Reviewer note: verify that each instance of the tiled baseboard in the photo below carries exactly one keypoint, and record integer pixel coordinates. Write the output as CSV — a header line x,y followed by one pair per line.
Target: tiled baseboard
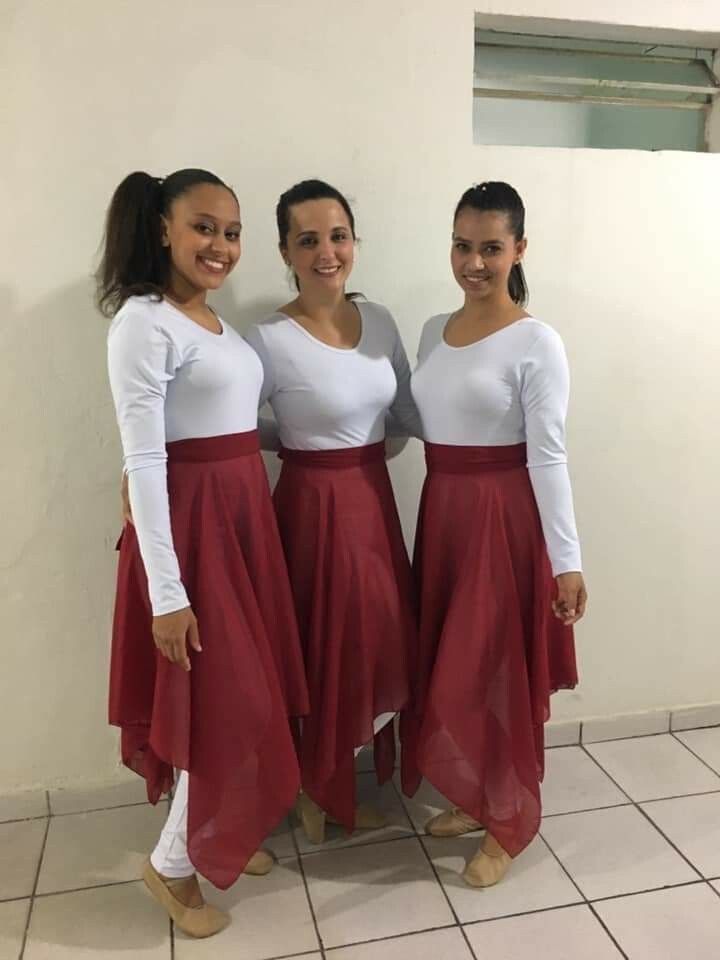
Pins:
x,y
593,729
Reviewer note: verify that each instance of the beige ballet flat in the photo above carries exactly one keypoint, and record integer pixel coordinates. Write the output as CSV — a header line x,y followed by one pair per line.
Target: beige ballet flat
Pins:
x,y
259,864
184,902
452,823
311,817
486,869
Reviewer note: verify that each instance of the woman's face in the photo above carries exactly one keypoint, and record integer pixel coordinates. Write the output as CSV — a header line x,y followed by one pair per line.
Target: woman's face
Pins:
x,y
484,251
202,232
320,246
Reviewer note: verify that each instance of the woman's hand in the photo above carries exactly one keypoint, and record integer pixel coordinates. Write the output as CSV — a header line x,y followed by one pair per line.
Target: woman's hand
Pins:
x,y
173,632
125,501
571,598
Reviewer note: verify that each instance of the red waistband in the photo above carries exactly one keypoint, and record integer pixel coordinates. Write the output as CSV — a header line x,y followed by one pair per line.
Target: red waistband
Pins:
x,y
205,449
448,458
337,458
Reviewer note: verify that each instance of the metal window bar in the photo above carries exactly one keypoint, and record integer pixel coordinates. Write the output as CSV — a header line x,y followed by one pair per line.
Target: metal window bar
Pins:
x,y
605,86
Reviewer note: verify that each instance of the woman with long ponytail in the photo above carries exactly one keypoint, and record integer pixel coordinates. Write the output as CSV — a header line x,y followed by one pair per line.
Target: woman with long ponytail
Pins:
x,y
206,664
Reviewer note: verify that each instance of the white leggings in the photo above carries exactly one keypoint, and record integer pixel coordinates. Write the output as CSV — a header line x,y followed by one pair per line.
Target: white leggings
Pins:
x,y
170,856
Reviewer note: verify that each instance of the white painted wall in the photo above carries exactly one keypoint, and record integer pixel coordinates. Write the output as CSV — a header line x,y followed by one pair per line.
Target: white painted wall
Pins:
x,y
377,98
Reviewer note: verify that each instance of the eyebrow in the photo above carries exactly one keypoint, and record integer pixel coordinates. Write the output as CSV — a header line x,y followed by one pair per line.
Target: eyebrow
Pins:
x,y
314,233
484,242
209,216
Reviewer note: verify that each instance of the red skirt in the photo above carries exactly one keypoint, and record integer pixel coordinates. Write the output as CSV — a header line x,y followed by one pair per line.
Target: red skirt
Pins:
x,y
490,651
351,580
226,721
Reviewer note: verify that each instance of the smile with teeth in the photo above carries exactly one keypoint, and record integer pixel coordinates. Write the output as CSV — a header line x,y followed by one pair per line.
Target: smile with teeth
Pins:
x,y
327,271
214,266
475,279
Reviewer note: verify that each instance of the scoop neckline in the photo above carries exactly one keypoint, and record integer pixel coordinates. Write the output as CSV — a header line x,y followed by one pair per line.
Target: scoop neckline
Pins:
x,y
321,343
188,319
488,336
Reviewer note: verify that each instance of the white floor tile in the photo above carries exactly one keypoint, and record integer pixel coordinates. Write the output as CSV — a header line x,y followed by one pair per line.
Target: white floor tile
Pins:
x,y
373,891
13,917
654,768
705,743
20,848
383,798
108,846
270,918
679,924
105,923
693,825
615,851
446,944
535,881
23,806
550,935
573,781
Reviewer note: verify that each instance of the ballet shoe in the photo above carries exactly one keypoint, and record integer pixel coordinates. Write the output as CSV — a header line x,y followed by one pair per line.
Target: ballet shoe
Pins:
x,y
486,869
452,823
183,901
259,864
311,817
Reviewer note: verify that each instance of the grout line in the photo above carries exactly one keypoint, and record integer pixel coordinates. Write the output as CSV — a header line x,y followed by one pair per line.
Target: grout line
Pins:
x,y
714,889
696,755
608,775
399,795
172,938
607,930
34,890
41,816
635,736
96,886
47,803
354,846
301,867
669,841
638,893
679,796
567,813
394,936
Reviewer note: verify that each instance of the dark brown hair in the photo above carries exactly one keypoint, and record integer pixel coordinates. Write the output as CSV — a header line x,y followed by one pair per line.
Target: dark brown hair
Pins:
x,y
501,198
134,261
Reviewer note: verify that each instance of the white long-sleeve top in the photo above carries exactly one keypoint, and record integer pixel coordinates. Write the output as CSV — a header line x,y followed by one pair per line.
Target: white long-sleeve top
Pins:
x,y
326,397
511,387
172,379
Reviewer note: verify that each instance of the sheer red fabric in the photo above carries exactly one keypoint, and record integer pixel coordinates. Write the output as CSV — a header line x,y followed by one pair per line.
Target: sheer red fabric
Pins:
x,y
351,580
226,721
490,650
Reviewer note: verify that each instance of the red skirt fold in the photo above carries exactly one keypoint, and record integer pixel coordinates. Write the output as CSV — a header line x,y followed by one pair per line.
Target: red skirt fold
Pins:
x,y
490,650
226,721
352,585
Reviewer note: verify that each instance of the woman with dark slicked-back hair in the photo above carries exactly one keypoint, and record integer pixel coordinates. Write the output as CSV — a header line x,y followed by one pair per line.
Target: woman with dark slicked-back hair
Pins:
x,y
335,370
206,665
497,557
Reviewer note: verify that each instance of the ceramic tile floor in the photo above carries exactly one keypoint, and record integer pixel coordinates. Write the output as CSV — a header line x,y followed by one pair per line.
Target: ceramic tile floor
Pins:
x,y
627,864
